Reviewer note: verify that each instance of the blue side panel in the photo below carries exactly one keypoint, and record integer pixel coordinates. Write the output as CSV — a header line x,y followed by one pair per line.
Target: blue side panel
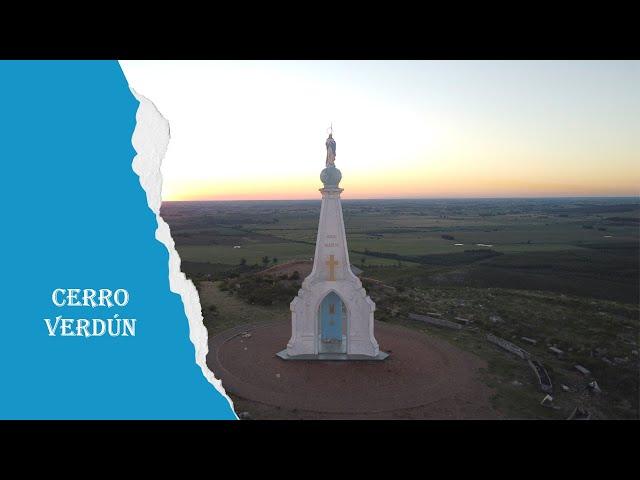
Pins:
x,y
75,216
331,318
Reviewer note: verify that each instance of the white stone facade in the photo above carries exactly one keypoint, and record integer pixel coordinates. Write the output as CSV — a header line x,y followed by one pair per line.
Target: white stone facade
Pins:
x,y
331,272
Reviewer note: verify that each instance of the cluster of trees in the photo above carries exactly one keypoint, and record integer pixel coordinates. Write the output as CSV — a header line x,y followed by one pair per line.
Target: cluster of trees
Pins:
x,y
265,261
263,290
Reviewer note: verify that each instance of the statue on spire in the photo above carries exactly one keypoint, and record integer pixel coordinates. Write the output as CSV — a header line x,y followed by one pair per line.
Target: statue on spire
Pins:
x,y
331,176
331,149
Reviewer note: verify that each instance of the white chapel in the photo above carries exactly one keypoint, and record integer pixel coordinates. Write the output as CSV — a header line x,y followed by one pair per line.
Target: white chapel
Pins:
x,y
332,315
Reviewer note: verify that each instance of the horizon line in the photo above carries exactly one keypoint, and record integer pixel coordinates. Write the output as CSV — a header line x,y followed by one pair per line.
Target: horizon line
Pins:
x,y
567,197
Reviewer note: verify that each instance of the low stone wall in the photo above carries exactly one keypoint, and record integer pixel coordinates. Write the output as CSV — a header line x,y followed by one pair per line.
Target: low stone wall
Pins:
x,y
543,377
510,347
435,321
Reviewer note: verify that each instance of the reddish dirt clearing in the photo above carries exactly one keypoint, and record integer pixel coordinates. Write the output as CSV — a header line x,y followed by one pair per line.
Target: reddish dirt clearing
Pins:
x,y
424,378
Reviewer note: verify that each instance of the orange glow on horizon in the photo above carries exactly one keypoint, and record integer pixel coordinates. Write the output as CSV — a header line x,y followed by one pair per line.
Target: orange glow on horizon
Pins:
x,y
463,176
418,186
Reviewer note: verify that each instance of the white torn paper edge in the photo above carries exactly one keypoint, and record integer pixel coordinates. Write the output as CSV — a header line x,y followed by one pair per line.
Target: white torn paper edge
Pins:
x,y
150,140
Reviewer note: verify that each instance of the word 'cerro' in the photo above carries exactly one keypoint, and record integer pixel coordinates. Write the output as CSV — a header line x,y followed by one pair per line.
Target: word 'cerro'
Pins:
x,y
88,297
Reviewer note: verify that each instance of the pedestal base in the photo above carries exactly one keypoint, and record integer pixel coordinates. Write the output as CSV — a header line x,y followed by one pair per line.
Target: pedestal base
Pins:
x,y
332,356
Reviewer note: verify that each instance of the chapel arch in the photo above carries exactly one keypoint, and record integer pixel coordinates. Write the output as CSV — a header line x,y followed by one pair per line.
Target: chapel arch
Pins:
x,y
332,324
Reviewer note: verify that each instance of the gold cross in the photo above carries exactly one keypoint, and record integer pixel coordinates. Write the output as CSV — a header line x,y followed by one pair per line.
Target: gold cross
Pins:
x,y
331,263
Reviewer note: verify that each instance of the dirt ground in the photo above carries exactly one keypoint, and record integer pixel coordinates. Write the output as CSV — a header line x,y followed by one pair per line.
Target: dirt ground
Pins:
x,y
424,378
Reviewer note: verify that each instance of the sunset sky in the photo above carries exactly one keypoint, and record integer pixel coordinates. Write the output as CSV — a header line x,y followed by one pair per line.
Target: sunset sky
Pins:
x,y
404,129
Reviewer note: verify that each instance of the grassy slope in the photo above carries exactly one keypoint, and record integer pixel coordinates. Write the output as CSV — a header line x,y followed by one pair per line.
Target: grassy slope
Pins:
x,y
574,325
232,311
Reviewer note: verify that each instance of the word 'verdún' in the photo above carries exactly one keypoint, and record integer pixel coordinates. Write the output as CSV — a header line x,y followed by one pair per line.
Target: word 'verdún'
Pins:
x,y
94,327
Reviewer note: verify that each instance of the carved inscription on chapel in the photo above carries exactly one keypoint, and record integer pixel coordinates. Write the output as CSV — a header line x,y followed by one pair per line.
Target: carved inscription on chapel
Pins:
x,y
331,241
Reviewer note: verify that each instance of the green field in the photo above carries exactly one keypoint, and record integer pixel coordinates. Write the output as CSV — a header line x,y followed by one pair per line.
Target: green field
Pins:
x,y
576,246
562,271
253,253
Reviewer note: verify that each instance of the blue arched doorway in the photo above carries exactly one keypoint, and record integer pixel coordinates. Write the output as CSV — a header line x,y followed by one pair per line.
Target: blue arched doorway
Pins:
x,y
332,315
